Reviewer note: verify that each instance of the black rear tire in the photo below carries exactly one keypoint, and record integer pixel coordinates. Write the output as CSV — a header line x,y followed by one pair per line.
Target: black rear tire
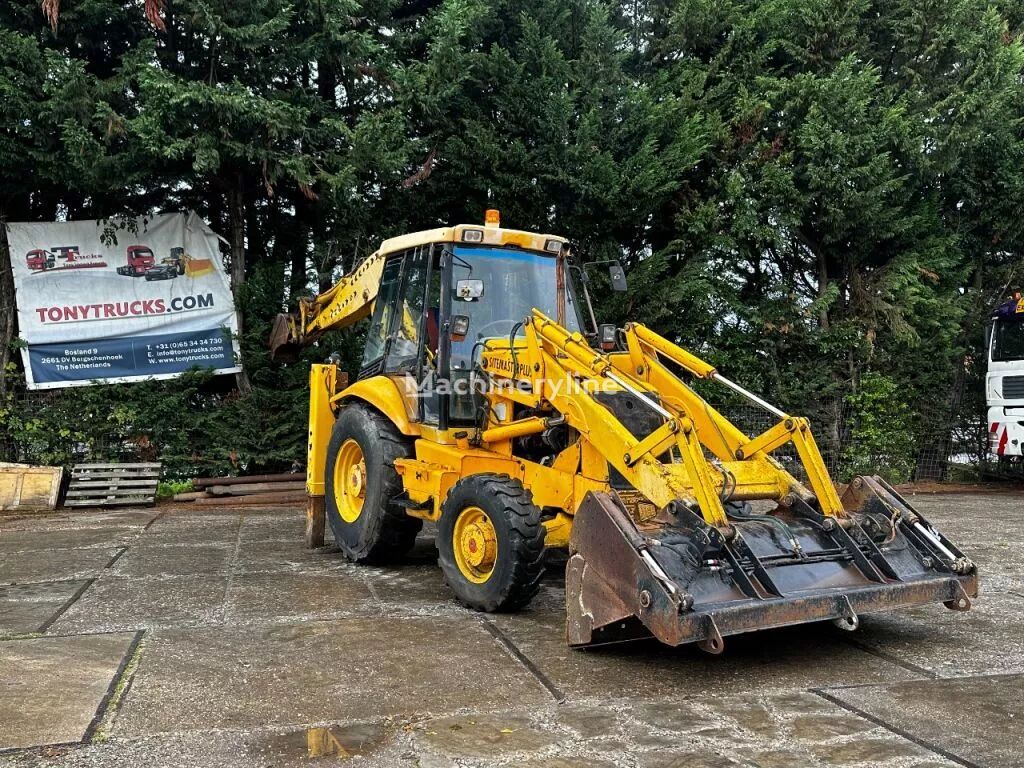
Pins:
x,y
518,564
382,532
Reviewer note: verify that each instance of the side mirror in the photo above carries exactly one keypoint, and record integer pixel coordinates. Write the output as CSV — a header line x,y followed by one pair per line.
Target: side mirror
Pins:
x,y
459,325
618,276
469,290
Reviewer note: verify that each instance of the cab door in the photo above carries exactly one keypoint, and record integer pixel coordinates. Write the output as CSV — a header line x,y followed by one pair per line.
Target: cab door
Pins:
x,y
401,341
378,334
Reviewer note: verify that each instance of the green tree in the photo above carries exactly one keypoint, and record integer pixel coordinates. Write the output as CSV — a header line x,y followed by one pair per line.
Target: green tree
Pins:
x,y
811,193
835,227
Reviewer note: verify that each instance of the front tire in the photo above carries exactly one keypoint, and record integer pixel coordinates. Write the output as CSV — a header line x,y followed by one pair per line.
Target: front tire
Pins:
x,y
361,484
490,543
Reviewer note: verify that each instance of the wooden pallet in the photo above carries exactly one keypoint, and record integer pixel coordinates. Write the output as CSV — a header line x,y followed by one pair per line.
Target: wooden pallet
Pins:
x,y
109,485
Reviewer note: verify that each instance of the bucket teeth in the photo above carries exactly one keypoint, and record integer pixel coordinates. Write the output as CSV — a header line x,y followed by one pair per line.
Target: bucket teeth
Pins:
x,y
679,580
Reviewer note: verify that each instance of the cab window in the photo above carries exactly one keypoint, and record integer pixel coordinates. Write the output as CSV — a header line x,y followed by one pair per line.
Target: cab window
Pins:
x,y
408,320
383,311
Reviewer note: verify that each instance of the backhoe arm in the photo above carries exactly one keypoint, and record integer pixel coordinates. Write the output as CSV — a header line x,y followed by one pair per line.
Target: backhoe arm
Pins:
x,y
344,304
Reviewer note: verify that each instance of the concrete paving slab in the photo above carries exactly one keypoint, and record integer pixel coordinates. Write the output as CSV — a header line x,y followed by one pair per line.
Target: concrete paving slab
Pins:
x,y
353,668
191,515
53,565
261,598
782,730
365,742
485,736
614,731
92,518
287,526
412,589
29,608
273,556
223,749
766,716
604,732
197,518
975,719
798,657
565,762
769,731
199,533
179,560
253,512
1000,564
983,640
386,743
868,751
689,759
53,686
114,604
971,517
30,540
139,517
411,678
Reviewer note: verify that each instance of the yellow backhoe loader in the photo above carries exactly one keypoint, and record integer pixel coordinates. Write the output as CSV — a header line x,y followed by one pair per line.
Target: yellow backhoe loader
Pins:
x,y
491,402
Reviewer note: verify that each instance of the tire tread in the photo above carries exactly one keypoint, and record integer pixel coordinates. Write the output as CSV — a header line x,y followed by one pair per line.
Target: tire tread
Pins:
x,y
397,531
527,542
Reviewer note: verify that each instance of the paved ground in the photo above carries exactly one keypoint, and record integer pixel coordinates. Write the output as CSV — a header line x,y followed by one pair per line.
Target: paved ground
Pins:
x,y
199,638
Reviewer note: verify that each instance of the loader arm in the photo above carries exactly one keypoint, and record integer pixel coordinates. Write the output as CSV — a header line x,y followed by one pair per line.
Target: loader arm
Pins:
x,y
703,564
570,375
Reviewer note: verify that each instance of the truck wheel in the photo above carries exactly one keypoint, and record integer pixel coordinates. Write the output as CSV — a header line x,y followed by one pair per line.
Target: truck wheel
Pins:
x,y
361,483
490,543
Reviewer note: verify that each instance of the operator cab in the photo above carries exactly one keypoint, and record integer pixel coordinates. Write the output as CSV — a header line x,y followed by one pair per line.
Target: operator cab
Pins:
x,y
446,294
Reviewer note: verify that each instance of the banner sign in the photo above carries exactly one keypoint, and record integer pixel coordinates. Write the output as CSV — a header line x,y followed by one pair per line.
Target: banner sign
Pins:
x,y
102,304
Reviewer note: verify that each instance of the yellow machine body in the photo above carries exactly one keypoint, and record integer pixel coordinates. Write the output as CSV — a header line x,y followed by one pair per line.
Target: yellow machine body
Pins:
x,y
654,495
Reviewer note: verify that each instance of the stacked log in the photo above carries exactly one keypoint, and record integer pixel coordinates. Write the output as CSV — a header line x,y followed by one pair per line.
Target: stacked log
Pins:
x,y
283,488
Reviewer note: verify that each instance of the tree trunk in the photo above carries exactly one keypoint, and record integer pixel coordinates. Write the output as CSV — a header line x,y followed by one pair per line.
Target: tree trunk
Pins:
x,y
297,233
327,81
236,222
7,308
822,287
299,279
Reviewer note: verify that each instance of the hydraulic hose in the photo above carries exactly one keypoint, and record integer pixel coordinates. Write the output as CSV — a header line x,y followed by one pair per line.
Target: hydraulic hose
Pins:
x,y
769,520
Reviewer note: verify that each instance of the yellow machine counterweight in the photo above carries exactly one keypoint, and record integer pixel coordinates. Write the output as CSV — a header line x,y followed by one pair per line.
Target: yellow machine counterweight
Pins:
x,y
517,433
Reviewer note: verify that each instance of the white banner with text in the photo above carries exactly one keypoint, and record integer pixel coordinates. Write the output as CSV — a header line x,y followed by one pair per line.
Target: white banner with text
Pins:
x,y
102,303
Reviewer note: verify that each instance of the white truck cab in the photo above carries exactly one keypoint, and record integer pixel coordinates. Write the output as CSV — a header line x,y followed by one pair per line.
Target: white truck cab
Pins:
x,y
1004,382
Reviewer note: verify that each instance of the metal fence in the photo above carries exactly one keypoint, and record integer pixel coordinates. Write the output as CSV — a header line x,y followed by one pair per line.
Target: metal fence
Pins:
x,y
951,448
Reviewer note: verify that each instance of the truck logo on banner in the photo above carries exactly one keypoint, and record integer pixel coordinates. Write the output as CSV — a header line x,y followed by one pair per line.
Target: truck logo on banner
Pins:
x,y
156,304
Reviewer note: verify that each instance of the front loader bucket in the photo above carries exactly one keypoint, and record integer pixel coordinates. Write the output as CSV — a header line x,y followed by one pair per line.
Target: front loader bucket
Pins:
x,y
680,580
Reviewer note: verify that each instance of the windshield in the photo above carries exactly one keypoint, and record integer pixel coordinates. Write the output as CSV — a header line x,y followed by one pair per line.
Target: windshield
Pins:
x,y
514,282
1007,340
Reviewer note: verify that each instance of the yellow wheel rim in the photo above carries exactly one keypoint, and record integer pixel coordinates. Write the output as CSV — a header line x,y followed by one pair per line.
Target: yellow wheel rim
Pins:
x,y
476,544
350,481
